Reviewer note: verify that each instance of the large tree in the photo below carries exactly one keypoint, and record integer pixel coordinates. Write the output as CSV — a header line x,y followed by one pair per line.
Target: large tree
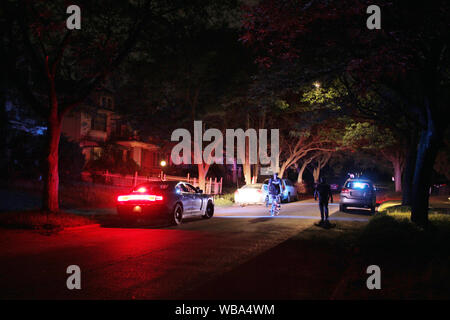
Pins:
x,y
56,69
406,63
377,140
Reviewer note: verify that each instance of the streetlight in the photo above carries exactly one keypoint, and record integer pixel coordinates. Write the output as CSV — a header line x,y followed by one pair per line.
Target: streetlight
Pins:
x,y
316,84
163,163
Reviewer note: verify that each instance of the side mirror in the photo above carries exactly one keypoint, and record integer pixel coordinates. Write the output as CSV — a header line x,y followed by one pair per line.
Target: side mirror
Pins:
x,y
199,190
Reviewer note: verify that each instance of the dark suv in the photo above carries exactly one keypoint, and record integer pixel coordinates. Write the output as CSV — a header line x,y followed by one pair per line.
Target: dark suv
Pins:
x,y
357,193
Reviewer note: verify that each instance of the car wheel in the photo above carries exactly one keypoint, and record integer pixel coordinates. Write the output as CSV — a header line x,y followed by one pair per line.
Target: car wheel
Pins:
x,y
177,214
342,208
267,201
209,212
372,209
289,197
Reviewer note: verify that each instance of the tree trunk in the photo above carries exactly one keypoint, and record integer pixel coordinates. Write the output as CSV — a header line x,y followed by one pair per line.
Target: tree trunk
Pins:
x,y
408,172
300,173
235,169
256,171
282,170
246,167
427,149
202,172
3,127
316,174
300,185
51,176
397,175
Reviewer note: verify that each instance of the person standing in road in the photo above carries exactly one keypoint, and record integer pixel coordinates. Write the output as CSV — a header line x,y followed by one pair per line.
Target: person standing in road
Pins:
x,y
323,192
275,189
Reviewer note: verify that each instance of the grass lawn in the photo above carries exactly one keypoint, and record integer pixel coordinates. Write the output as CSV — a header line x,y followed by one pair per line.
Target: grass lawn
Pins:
x,y
224,200
414,262
37,220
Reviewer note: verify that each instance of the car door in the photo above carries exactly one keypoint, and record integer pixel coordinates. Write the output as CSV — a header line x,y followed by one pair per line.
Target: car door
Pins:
x,y
197,198
186,197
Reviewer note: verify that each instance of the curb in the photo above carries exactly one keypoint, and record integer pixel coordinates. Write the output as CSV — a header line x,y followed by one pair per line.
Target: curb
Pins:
x,y
94,225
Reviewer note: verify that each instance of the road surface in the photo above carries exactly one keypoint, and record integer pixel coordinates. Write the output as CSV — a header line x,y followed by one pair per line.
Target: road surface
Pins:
x,y
146,262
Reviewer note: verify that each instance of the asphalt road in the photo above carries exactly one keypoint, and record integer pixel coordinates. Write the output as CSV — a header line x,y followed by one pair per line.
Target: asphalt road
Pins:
x,y
145,262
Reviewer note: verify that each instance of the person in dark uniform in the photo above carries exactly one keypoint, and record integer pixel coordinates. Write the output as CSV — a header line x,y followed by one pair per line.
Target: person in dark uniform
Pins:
x,y
323,192
275,188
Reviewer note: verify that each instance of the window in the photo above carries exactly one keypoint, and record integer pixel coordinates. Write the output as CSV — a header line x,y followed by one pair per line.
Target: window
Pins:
x,y
99,122
191,188
358,185
182,188
106,102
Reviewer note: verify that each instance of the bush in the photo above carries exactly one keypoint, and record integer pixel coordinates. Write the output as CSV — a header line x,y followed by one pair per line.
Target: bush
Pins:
x,y
25,157
111,160
28,152
224,200
71,159
88,195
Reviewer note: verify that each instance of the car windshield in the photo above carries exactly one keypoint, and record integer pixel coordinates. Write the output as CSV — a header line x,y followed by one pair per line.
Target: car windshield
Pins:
x,y
358,185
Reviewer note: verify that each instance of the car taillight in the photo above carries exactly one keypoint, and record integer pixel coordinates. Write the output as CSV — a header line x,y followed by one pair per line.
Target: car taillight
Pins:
x,y
259,191
147,197
345,190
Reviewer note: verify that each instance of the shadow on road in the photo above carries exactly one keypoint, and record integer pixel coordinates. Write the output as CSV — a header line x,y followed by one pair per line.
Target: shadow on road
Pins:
x,y
257,220
309,265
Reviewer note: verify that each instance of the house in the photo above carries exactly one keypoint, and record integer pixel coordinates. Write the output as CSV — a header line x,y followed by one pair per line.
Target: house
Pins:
x,y
95,125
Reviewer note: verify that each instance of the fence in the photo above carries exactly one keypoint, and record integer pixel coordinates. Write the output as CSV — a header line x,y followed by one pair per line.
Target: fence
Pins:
x,y
212,186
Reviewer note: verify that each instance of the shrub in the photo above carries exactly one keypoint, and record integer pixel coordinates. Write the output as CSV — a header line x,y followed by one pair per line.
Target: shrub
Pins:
x,y
71,159
224,200
111,160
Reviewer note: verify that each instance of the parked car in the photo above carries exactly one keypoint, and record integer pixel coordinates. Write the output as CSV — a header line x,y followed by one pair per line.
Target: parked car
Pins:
x,y
249,194
358,193
288,191
174,200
